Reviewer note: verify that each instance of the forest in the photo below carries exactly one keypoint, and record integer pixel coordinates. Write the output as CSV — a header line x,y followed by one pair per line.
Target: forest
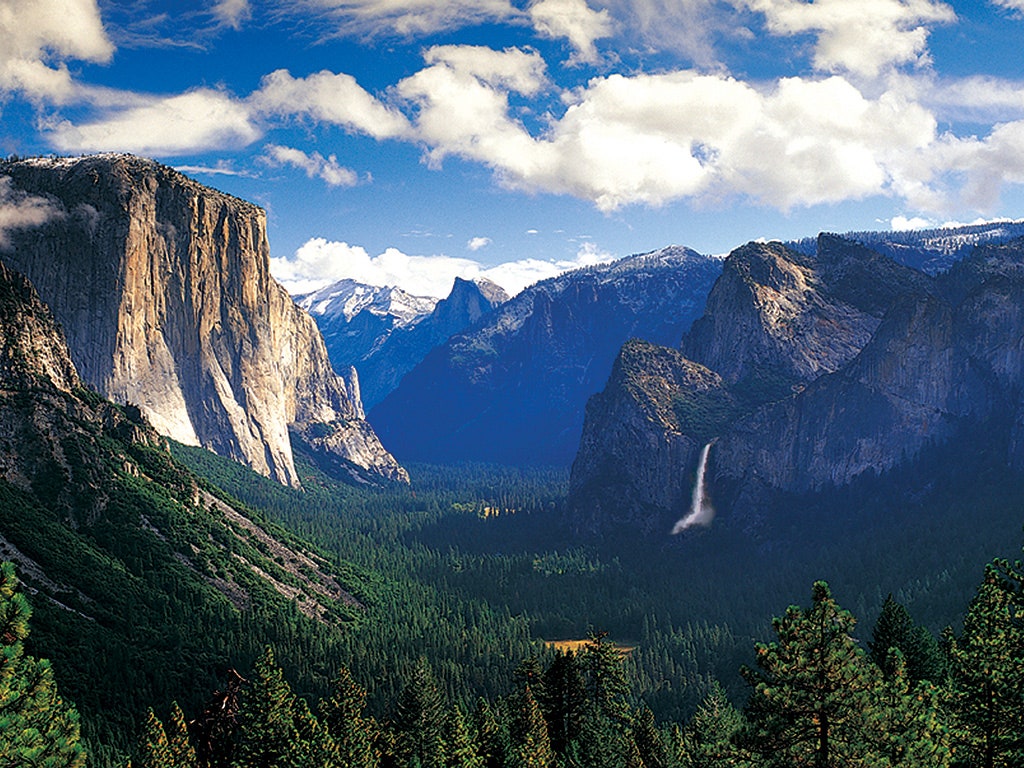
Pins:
x,y
817,697
473,585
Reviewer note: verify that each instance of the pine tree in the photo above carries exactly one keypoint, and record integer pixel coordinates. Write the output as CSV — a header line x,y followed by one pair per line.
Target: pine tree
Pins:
x,y
461,750
563,701
154,749
911,716
492,740
419,720
707,740
987,673
605,740
268,737
182,754
531,747
813,701
37,727
313,746
647,739
342,716
919,648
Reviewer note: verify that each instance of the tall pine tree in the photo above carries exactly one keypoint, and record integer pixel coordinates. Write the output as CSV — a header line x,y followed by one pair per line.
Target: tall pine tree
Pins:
x,y
987,673
37,727
813,699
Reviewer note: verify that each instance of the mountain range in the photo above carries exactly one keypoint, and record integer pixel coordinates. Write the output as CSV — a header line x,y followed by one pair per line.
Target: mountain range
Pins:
x,y
384,332
512,388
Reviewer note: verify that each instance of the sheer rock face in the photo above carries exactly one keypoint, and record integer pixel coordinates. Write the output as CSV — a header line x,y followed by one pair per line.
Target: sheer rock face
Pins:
x,y
875,362
44,407
164,290
641,442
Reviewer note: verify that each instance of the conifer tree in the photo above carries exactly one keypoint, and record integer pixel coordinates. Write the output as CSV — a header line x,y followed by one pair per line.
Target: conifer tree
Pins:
x,y
37,727
918,647
342,716
154,749
987,673
531,747
313,746
604,734
813,699
492,740
912,719
563,701
419,720
267,735
707,741
647,739
182,753
461,749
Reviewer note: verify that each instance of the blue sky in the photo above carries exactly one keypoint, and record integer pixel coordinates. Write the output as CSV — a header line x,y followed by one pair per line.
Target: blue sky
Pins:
x,y
407,141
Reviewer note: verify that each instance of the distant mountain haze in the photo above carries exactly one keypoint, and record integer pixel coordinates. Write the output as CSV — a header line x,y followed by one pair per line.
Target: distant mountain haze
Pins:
x,y
512,388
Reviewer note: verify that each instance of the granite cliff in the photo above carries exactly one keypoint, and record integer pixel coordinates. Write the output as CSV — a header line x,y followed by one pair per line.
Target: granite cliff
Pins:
x,y
164,291
840,365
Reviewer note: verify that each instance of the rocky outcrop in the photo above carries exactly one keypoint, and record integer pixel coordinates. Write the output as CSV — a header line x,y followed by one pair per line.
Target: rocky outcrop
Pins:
x,y
513,388
164,291
780,317
641,439
942,355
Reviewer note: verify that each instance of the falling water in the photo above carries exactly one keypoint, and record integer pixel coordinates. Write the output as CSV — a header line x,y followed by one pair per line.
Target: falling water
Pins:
x,y
701,511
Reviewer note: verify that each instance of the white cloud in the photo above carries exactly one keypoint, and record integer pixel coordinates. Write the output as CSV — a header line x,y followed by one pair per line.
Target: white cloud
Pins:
x,y
407,18
574,20
174,125
651,139
328,97
1010,5
231,13
315,165
462,106
38,36
980,99
19,210
476,243
905,224
864,37
320,262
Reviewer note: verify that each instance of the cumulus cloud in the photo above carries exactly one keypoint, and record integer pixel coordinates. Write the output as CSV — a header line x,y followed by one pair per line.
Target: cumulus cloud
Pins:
x,y
37,36
574,20
652,139
865,37
174,125
320,262
462,106
476,243
315,165
907,224
1010,5
331,98
19,210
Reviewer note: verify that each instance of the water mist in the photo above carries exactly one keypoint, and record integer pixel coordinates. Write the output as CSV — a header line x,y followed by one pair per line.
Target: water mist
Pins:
x,y
701,511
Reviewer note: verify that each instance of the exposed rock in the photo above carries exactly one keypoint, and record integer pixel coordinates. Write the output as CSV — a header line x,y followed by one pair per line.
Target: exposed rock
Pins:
x,y
164,291
513,388
641,439
941,354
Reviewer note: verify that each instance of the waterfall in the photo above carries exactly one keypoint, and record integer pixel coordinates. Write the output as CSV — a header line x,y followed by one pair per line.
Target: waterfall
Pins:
x,y
701,511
